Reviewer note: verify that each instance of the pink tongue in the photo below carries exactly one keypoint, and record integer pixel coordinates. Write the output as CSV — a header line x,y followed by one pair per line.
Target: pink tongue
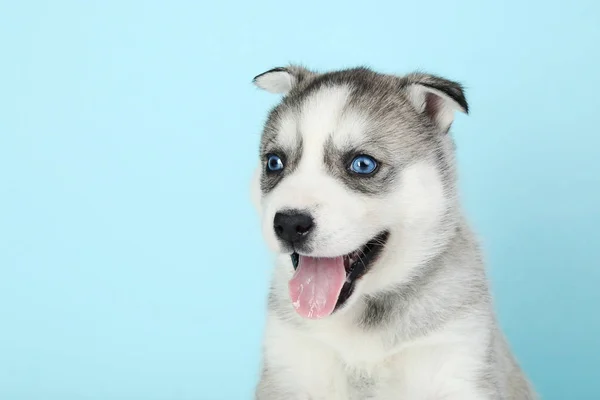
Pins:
x,y
316,285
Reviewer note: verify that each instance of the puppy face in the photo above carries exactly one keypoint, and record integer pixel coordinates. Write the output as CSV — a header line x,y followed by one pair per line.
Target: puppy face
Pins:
x,y
352,163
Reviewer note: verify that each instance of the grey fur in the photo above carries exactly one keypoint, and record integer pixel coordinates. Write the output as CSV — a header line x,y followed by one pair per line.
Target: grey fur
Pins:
x,y
450,284
338,162
289,156
383,99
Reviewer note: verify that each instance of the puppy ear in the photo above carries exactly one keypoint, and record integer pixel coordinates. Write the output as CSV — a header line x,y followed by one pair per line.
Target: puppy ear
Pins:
x,y
282,79
437,97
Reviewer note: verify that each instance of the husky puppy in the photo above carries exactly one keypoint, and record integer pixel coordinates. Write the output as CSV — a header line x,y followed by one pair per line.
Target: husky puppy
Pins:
x,y
379,289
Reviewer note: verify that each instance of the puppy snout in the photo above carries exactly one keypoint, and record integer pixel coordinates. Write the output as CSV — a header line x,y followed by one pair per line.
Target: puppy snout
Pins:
x,y
293,226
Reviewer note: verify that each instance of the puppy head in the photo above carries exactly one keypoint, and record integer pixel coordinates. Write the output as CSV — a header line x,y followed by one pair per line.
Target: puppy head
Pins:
x,y
353,166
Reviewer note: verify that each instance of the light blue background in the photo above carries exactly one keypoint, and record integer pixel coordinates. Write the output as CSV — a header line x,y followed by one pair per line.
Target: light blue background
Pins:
x,y
131,265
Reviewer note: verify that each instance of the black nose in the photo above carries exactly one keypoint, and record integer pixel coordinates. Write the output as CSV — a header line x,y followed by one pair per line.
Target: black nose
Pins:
x,y
293,226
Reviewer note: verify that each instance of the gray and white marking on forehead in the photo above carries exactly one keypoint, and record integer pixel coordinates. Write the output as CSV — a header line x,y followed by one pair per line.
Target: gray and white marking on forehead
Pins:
x,y
345,118
324,117
321,115
349,105
328,128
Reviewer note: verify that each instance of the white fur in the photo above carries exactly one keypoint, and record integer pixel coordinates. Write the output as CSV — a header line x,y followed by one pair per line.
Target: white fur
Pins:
x,y
314,362
336,210
434,368
438,367
431,368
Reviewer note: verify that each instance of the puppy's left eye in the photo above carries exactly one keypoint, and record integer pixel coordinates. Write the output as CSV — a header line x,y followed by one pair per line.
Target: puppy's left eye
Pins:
x,y
363,165
274,163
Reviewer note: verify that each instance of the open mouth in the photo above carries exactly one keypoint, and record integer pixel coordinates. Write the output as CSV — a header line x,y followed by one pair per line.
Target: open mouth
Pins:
x,y
322,285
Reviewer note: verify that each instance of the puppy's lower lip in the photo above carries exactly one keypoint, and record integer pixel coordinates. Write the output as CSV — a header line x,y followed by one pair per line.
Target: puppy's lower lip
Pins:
x,y
295,259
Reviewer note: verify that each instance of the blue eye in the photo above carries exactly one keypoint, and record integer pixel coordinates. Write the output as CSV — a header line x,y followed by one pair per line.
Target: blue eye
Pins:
x,y
363,165
274,163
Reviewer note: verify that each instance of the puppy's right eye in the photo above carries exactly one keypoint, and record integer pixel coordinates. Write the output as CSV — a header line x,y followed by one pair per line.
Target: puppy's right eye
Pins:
x,y
274,163
363,165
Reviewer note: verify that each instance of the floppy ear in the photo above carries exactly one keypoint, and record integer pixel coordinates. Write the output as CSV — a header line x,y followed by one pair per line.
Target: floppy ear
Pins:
x,y
437,97
282,79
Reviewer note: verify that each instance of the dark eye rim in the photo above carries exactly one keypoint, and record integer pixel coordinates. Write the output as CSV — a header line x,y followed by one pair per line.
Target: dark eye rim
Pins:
x,y
354,156
266,161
